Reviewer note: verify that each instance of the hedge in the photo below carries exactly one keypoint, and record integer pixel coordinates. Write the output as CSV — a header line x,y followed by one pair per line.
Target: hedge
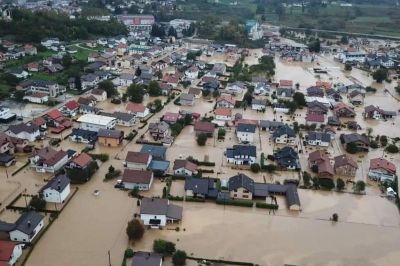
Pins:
x,y
209,171
195,199
177,198
102,156
241,203
201,163
267,206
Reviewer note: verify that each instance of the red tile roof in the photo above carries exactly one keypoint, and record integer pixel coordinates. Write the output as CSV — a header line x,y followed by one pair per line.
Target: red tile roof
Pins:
x,y
315,118
6,250
135,107
227,98
285,83
82,159
39,121
223,111
204,126
185,164
54,114
381,163
72,105
170,117
137,157
247,121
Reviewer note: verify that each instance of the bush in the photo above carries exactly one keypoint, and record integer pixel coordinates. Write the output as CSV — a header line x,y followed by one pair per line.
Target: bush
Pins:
x,y
54,142
163,247
373,144
201,139
270,168
37,203
351,148
359,186
392,149
113,174
200,163
103,157
135,229
176,198
306,179
221,133
383,140
240,203
267,206
179,258
255,167
335,217
326,183
129,253
340,184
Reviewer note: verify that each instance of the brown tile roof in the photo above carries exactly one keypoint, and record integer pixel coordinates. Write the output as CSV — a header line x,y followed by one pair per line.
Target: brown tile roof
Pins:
x,y
381,163
137,176
223,111
185,164
204,126
137,157
82,159
343,160
226,98
135,107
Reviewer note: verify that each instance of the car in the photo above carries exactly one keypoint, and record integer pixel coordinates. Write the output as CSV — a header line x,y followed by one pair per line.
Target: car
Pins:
x,y
120,186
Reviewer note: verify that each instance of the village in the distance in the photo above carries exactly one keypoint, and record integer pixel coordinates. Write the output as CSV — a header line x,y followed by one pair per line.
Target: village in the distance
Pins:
x,y
155,146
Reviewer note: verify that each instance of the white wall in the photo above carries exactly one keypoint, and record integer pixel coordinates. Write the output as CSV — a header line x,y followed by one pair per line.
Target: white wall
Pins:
x,y
245,136
146,219
53,196
19,236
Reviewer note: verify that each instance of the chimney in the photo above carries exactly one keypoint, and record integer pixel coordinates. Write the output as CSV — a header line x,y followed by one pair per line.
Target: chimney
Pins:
x,y
29,223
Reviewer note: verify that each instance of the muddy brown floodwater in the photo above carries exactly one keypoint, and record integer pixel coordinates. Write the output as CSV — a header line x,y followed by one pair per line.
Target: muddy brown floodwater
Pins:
x,y
367,232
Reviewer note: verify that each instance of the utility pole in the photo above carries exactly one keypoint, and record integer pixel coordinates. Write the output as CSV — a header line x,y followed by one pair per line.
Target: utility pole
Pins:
x,y
109,258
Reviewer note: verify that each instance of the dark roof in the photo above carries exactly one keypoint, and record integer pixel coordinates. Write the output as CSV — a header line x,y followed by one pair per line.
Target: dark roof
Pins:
x,y
137,176
58,183
204,126
16,129
137,157
110,133
27,222
270,124
319,136
287,157
354,137
203,186
185,164
6,227
142,258
239,150
86,134
246,128
285,129
241,181
157,165
158,206
5,158
154,150
316,104
126,117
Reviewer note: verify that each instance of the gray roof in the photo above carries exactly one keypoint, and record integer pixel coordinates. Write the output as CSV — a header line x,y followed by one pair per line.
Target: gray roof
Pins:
x,y
203,186
259,102
246,128
16,129
187,97
283,130
86,134
27,222
241,181
353,137
287,157
110,133
6,227
142,258
154,150
238,150
58,183
319,136
270,124
156,206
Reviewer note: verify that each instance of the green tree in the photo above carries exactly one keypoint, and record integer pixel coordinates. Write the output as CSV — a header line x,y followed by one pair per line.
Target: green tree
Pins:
x,y
136,93
351,148
348,67
340,184
299,99
392,149
66,60
201,139
306,179
154,89
37,203
380,75
255,168
326,183
163,247
135,229
179,258
335,217
19,95
221,133
108,86
359,186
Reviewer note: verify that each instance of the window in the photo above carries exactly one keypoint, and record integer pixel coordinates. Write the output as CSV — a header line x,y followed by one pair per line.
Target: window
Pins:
x,y
245,191
235,190
245,196
235,195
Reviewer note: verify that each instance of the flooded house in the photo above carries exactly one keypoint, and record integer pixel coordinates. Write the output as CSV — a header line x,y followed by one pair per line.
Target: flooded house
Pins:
x,y
245,133
110,137
345,166
24,131
140,179
157,213
186,99
343,110
157,152
359,141
373,112
267,125
318,139
381,170
56,190
48,160
241,155
320,159
185,168
287,158
137,160
95,123
143,258
10,252
204,127
201,187
316,107
284,135
138,109
159,130
83,136
225,101
25,229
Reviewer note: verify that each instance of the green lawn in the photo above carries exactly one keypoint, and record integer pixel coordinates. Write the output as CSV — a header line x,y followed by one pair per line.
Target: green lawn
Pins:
x,y
4,91
28,59
45,76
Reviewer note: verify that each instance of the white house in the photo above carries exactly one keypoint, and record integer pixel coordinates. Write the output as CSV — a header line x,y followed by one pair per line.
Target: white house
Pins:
x,y
100,95
159,212
94,122
10,252
137,160
192,72
223,115
258,105
225,101
184,168
141,179
27,227
37,97
236,87
284,135
56,190
241,155
245,133
48,160
24,131
319,139
137,109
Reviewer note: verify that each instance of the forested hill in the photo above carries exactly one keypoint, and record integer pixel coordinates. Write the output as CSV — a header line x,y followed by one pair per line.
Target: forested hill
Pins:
x,y
33,27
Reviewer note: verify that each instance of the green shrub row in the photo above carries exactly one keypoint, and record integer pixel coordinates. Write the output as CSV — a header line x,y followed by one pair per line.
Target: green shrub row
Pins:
x,y
195,199
267,206
241,203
